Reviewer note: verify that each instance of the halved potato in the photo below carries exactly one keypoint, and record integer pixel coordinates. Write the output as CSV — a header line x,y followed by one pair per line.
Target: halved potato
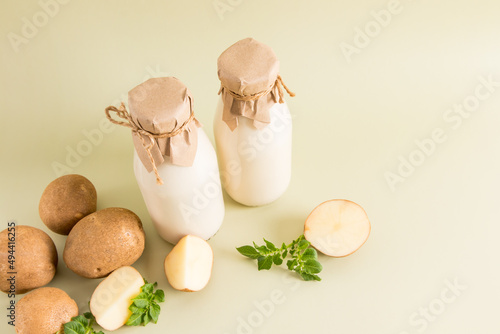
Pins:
x,y
113,296
188,266
337,227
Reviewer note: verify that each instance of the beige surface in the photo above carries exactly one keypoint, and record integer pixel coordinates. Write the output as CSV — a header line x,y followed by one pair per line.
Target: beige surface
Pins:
x,y
352,121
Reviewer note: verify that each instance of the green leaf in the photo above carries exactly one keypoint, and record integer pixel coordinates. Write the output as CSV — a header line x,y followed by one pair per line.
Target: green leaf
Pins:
x,y
291,264
159,296
144,307
303,260
310,277
134,320
142,300
81,320
81,324
264,262
73,327
145,319
303,244
263,250
270,245
154,312
89,316
248,251
312,266
135,309
309,253
277,260
147,288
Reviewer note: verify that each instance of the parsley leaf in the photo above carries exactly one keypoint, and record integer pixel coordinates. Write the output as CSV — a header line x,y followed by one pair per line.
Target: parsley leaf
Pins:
x,y
145,306
81,324
304,260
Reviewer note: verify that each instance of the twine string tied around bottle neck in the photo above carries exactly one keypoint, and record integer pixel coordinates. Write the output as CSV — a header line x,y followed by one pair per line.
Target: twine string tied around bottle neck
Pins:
x,y
122,113
279,83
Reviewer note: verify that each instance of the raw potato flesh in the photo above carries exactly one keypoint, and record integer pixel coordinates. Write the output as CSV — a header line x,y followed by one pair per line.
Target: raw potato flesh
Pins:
x,y
189,265
112,297
337,228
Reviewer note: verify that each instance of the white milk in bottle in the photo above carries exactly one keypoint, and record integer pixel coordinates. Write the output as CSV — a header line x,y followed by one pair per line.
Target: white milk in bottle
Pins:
x,y
174,162
252,125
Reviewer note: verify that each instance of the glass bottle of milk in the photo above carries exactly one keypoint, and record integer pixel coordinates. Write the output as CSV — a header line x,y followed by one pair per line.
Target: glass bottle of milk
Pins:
x,y
252,125
174,162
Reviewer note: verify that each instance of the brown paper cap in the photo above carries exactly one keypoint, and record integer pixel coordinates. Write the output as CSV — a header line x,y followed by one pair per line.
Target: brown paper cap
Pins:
x,y
246,68
161,106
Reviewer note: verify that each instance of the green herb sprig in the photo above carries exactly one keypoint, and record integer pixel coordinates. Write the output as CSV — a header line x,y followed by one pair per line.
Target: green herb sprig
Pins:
x,y
304,260
81,324
144,309
145,306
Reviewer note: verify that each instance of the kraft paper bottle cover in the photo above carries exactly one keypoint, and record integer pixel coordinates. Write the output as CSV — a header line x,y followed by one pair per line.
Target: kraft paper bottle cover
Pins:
x,y
250,82
162,122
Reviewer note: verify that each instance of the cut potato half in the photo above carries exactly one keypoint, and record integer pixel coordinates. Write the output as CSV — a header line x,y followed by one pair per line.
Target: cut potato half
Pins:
x,y
188,266
337,227
113,296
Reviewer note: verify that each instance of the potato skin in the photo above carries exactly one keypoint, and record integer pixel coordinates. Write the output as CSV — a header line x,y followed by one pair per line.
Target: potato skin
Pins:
x,y
104,241
65,201
35,259
44,311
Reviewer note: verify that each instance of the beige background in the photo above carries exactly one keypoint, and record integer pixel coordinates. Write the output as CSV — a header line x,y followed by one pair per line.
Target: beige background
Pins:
x,y
353,118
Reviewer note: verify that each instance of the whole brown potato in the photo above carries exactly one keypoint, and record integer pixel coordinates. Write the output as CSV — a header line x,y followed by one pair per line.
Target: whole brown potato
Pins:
x,y
44,311
104,241
65,201
34,259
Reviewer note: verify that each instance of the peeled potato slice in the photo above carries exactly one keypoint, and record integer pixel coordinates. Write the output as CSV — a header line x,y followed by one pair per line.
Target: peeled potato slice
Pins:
x,y
113,296
188,266
337,227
